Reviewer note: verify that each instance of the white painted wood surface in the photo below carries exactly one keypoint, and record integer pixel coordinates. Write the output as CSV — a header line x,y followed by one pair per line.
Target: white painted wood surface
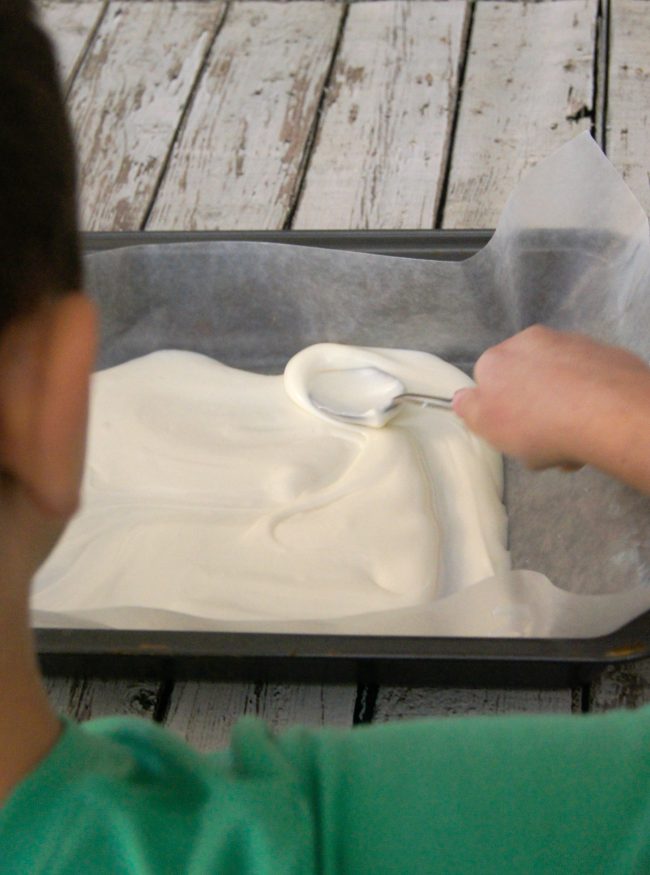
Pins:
x,y
126,103
204,713
628,147
381,148
628,120
400,703
550,51
353,210
238,160
627,686
88,697
528,81
71,23
237,164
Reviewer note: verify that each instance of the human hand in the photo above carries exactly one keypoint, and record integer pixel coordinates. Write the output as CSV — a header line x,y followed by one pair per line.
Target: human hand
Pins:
x,y
557,398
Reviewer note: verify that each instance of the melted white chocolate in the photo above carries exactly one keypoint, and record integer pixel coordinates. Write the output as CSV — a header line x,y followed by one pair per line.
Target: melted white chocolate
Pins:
x,y
224,494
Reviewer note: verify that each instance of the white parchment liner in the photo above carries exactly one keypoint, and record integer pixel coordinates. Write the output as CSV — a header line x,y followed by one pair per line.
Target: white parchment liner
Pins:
x,y
571,250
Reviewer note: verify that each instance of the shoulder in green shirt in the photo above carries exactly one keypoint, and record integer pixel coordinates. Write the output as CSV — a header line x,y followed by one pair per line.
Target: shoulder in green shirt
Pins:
x,y
483,795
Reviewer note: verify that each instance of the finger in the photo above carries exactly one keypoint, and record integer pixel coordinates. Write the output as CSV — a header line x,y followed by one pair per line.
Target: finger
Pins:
x,y
545,464
465,405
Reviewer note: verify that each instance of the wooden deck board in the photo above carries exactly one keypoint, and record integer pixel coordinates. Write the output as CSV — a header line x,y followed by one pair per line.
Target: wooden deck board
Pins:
x,y
381,147
204,713
399,703
72,24
127,99
626,686
528,89
81,699
628,117
627,136
238,161
237,164
503,127
126,102
498,125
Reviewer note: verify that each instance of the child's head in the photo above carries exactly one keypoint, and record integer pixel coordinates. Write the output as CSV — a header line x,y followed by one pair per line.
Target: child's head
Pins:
x,y
46,330
39,250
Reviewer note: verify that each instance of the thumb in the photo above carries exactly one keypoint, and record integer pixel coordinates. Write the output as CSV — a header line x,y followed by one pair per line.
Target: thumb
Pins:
x,y
465,404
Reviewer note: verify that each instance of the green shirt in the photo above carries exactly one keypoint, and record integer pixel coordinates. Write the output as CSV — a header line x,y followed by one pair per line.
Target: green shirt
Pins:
x,y
521,794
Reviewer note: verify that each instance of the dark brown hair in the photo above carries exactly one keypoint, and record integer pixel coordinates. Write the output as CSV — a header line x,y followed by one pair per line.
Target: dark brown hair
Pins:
x,y
39,248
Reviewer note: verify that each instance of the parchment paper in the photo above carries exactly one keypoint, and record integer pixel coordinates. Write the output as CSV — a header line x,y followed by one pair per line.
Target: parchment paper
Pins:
x,y
571,250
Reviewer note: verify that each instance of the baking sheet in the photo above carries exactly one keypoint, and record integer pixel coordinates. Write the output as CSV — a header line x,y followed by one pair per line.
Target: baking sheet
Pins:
x,y
570,250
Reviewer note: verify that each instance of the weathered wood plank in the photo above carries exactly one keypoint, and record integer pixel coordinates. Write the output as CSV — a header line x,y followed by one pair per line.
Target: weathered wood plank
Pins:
x,y
528,89
204,713
382,144
237,162
621,687
127,99
236,165
70,24
399,703
84,698
628,105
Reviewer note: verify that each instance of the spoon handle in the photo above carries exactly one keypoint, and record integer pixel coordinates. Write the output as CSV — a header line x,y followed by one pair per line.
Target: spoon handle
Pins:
x,y
426,400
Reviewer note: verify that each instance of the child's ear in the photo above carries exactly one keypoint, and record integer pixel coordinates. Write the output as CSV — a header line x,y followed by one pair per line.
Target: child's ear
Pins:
x,y
45,364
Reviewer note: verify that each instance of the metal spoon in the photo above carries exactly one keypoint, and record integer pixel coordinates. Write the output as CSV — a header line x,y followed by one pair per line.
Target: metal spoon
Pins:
x,y
386,395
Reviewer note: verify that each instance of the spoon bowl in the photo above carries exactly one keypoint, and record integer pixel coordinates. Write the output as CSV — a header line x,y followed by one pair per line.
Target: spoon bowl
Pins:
x,y
365,396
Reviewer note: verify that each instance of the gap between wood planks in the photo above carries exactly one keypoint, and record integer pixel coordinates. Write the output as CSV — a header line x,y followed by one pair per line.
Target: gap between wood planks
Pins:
x,y
444,182
601,74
